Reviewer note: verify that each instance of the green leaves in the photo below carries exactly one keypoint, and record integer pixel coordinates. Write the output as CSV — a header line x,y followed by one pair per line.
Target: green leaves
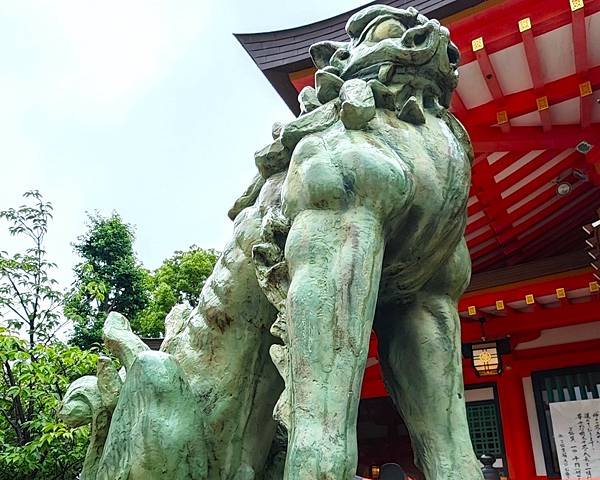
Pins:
x,y
109,278
35,370
179,279
29,298
33,444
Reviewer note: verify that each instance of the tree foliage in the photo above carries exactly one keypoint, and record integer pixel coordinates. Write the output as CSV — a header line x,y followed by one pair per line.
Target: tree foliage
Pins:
x,y
108,278
179,279
35,368
33,443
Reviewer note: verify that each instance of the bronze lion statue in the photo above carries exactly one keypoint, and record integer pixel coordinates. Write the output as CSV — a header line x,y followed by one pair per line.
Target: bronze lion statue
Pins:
x,y
354,222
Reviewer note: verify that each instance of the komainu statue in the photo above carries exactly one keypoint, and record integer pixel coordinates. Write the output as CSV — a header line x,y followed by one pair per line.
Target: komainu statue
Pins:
x,y
354,222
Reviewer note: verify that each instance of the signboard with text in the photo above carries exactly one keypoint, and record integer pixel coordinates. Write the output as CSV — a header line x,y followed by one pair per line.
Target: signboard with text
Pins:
x,y
576,427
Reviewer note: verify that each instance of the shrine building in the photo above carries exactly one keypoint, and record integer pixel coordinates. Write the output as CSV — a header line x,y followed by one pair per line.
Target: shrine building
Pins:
x,y
528,96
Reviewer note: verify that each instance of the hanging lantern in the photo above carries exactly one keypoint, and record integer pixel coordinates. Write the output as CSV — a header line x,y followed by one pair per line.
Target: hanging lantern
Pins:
x,y
486,359
486,354
374,471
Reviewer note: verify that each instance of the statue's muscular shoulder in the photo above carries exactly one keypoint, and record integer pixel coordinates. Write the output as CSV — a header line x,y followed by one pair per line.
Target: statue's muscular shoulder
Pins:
x,y
339,169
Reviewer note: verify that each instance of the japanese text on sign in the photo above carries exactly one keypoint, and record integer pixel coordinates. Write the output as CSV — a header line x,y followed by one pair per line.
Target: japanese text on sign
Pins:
x,y
576,427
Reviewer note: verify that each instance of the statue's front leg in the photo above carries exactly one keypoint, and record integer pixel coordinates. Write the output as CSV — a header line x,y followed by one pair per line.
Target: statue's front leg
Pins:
x,y
334,260
420,355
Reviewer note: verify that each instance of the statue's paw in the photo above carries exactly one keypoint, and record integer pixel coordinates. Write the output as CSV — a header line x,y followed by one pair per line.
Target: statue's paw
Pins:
x,y
176,320
109,382
91,400
157,429
120,339
245,472
81,401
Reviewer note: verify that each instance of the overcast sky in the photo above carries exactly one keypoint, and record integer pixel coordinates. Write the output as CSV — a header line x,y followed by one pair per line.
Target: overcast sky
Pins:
x,y
148,108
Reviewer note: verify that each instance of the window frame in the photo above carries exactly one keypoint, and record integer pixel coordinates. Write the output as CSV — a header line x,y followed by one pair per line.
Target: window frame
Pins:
x,y
496,401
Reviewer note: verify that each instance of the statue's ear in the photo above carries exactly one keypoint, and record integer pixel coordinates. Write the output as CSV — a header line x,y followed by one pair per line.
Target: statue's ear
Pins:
x,y
322,52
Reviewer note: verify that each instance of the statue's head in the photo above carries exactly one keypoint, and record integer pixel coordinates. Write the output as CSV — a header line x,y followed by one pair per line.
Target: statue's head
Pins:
x,y
398,58
396,47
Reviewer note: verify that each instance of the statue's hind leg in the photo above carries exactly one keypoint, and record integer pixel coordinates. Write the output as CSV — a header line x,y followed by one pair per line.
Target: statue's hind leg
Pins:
x,y
222,347
419,351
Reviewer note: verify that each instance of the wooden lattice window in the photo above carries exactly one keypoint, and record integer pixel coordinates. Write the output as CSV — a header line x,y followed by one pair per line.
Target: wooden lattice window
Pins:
x,y
564,385
484,428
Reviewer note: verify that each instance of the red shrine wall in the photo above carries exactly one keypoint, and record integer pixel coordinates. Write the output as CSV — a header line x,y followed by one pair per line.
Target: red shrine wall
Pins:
x,y
544,337
514,392
520,429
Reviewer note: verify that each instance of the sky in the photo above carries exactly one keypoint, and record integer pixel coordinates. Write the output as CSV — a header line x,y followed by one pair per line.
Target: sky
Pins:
x,y
148,108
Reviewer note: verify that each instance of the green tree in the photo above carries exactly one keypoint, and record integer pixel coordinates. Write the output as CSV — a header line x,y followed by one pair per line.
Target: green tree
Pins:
x,y
28,296
35,368
33,443
179,279
109,278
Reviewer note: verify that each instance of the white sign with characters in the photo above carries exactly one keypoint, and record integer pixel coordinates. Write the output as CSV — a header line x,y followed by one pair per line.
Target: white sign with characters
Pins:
x,y
576,427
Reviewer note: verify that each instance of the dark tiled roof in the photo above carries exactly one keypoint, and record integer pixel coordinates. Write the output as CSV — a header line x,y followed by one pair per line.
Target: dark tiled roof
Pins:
x,y
153,343
280,52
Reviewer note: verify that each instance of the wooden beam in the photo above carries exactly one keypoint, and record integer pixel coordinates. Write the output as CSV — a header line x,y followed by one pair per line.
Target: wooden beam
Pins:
x,y
571,314
473,208
492,261
497,23
592,165
566,242
535,71
541,199
572,212
542,179
580,51
525,139
562,202
559,232
530,167
523,102
538,287
487,249
494,207
489,75
476,225
506,161
458,107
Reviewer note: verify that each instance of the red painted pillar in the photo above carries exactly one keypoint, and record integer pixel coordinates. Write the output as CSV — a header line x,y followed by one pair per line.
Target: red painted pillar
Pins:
x,y
515,424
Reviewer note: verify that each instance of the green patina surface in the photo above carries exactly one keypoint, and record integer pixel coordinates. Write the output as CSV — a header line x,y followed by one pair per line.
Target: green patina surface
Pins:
x,y
355,221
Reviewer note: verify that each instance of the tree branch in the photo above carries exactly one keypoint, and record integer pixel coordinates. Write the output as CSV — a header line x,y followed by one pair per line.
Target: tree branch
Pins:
x,y
16,312
37,278
20,297
51,336
18,406
12,423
